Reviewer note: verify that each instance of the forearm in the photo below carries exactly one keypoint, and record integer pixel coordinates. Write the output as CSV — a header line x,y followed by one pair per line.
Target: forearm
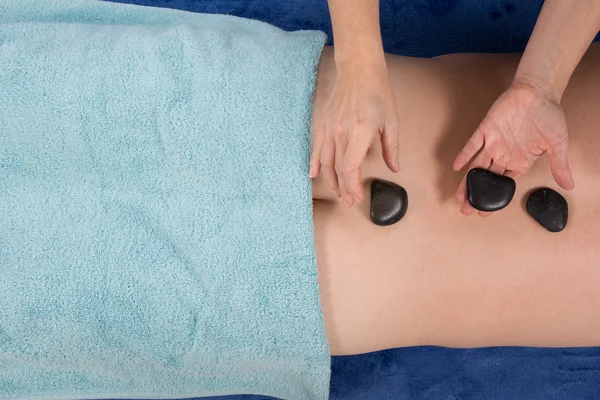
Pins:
x,y
356,31
562,34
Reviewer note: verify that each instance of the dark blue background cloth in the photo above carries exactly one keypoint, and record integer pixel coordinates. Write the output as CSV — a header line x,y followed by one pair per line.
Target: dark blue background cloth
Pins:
x,y
427,28
422,28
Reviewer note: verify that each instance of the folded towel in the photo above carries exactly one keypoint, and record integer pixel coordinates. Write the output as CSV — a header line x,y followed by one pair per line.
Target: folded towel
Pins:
x,y
156,234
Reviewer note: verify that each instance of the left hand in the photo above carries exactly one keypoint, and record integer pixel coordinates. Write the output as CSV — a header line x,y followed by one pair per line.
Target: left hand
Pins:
x,y
524,123
361,108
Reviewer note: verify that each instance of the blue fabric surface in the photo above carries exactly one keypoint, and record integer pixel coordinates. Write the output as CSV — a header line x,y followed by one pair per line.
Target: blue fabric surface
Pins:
x,y
423,28
146,246
427,28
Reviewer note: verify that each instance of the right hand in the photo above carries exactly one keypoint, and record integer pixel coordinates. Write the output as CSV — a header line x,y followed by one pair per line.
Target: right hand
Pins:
x,y
360,107
525,122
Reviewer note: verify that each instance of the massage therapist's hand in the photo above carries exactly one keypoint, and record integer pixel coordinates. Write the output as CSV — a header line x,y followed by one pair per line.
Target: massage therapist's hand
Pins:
x,y
527,120
361,109
524,123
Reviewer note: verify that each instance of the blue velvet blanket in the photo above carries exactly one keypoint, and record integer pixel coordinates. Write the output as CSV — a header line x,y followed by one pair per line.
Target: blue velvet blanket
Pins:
x,y
147,248
428,28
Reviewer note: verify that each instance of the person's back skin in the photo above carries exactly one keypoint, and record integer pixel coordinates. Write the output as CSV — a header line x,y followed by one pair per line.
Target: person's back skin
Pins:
x,y
437,277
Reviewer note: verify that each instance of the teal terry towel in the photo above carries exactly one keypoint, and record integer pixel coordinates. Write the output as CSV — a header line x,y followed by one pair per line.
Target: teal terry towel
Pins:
x,y
156,235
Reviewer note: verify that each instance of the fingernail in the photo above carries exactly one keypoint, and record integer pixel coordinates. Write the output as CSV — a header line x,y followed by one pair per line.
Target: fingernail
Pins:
x,y
357,200
346,203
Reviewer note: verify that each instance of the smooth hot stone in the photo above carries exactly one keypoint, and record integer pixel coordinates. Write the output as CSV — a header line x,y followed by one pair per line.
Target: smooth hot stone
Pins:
x,y
548,208
388,202
488,191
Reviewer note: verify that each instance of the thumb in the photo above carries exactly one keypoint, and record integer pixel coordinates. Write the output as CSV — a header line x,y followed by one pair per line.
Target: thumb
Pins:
x,y
559,165
469,150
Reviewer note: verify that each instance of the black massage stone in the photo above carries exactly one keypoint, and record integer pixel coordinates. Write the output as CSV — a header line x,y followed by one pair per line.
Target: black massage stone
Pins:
x,y
548,208
488,191
388,203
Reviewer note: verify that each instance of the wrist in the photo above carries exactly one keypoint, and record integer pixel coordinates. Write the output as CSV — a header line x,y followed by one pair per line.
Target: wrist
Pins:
x,y
538,86
360,55
361,64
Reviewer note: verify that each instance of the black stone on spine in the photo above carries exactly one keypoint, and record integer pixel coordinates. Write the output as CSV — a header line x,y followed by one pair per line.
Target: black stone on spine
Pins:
x,y
389,203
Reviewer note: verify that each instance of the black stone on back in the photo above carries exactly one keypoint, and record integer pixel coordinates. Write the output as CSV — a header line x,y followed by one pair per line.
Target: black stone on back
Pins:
x,y
488,191
388,202
549,208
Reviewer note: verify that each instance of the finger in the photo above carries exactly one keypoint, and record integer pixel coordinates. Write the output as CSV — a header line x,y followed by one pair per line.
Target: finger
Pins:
x,y
482,160
359,143
317,146
474,144
511,174
390,145
341,144
467,209
559,164
496,168
461,193
328,164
